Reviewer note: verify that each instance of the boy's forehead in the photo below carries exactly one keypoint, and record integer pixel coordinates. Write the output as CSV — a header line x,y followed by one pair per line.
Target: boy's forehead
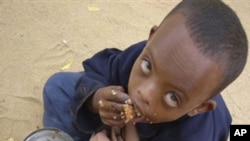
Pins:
x,y
171,32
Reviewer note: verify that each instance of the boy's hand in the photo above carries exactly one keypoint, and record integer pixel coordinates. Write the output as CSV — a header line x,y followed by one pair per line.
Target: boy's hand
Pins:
x,y
108,102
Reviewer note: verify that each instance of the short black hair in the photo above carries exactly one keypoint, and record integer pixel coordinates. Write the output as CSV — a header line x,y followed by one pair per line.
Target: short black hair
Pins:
x,y
217,31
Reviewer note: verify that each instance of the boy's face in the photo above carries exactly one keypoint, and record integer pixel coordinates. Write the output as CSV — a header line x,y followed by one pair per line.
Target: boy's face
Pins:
x,y
171,77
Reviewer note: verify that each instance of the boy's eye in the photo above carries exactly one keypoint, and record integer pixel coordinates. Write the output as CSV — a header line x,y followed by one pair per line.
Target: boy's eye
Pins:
x,y
145,66
171,99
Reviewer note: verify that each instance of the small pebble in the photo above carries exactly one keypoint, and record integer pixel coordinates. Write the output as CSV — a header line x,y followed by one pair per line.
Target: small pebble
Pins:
x,y
64,42
10,139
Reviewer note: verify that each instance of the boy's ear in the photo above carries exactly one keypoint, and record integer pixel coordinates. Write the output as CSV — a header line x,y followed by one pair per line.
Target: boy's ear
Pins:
x,y
152,31
204,107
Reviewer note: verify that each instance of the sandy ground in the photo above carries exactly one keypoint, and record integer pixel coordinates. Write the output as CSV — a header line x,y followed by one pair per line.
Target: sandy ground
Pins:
x,y
39,37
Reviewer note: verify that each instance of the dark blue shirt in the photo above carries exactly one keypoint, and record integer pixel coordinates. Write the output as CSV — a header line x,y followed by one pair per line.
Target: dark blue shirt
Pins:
x,y
113,67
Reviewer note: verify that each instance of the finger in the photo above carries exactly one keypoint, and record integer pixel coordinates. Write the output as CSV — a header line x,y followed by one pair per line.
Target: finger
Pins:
x,y
111,113
111,122
112,90
115,93
110,106
117,88
112,116
109,118
117,96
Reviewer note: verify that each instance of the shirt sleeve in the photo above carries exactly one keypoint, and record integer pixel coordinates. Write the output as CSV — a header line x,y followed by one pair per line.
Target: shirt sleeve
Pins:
x,y
108,67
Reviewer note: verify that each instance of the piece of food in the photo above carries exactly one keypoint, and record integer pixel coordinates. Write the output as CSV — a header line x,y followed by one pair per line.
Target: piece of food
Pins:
x,y
129,112
137,113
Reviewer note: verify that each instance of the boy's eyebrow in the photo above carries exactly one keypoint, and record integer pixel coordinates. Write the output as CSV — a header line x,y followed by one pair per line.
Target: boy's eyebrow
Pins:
x,y
181,91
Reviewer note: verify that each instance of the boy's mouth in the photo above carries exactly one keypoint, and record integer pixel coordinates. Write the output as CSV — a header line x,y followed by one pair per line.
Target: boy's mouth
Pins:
x,y
138,115
137,112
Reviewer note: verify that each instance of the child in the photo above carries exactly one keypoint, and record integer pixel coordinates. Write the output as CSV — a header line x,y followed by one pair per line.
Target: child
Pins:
x,y
172,81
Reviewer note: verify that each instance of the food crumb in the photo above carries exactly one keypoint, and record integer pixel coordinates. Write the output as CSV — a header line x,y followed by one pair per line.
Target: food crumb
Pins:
x,y
64,42
11,139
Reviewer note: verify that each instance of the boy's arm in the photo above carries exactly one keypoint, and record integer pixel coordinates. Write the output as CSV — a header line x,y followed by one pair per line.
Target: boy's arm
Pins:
x,y
85,120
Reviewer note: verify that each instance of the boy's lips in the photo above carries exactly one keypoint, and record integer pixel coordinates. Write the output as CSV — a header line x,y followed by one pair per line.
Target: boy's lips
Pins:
x,y
138,109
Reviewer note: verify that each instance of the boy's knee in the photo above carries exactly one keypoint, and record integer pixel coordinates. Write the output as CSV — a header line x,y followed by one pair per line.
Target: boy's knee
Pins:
x,y
55,79
53,84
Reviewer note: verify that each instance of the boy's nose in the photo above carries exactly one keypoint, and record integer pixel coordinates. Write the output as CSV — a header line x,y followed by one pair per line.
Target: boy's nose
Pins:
x,y
148,92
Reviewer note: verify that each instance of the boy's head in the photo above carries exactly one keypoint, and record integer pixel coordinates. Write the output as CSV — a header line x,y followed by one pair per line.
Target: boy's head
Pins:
x,y
198,50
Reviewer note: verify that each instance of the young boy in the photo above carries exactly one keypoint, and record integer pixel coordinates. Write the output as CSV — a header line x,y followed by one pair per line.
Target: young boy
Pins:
x,y
173,80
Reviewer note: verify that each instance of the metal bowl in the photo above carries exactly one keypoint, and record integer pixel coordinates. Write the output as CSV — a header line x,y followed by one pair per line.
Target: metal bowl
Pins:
x,y
48,134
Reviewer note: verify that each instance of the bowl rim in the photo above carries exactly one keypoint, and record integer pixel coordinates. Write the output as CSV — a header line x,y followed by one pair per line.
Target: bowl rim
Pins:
x,y
47,129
